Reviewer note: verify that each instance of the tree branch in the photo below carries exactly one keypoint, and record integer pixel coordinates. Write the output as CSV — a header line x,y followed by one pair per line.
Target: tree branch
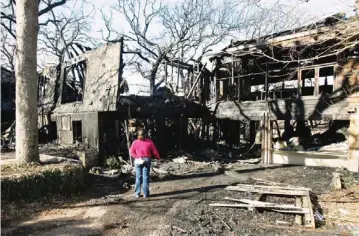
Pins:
x,y
8,30
51,6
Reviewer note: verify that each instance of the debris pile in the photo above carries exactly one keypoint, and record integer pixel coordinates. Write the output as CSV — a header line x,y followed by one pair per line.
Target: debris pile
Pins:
x,y
8,139
341,207
211,154
68,151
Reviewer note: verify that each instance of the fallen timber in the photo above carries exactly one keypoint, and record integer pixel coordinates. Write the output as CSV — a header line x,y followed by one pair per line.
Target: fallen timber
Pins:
x,y
305,208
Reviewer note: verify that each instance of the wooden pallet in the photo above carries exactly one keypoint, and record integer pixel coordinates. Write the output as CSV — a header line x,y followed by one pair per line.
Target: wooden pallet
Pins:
x,y
303,207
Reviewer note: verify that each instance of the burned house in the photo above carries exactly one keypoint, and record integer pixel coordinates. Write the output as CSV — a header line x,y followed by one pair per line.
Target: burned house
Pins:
x,y
84,98
307,74
282,86
7,97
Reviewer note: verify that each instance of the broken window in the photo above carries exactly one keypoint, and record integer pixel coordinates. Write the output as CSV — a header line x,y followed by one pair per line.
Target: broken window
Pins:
x,y
74,79
326,80
5,92
308,82
77,130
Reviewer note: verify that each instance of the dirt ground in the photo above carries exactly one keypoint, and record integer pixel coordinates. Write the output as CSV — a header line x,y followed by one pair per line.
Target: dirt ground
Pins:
x,y
177,206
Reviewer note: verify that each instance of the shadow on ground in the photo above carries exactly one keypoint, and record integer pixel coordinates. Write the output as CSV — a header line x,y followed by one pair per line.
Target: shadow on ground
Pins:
x,y
53,227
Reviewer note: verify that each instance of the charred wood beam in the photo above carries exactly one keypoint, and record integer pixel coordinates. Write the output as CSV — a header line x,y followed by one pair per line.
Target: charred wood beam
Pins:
x,y
196,81
81,72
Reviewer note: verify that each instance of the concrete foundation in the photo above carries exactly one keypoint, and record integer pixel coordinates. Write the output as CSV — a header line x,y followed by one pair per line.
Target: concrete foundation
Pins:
x,y
88,158
325,159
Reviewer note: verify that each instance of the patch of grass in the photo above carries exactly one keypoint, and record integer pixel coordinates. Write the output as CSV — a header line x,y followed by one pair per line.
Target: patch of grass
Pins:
x,y
30,182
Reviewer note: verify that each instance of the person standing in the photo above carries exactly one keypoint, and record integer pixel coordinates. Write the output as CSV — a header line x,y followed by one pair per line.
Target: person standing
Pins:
x,y
143,149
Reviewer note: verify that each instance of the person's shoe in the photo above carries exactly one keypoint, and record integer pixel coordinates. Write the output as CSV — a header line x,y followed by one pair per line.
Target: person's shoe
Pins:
x,y
137,196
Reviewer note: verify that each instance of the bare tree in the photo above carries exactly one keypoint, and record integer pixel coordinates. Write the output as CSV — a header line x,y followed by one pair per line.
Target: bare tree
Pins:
x,y
8,46
69,27
26,81
187,29
8,13
183,30
60,28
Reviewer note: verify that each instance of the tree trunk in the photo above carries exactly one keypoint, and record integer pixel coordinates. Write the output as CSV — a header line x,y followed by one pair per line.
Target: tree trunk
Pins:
x,y
26,81
152,82
153,75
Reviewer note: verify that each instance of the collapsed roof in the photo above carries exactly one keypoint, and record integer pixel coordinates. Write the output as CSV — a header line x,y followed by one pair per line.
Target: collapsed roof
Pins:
x,y
336,29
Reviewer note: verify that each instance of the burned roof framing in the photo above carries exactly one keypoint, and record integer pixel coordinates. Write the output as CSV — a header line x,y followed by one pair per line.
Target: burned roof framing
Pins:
x,y
315,67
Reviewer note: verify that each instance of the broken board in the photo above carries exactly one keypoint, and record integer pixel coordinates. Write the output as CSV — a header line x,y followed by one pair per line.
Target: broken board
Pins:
x,y
303,205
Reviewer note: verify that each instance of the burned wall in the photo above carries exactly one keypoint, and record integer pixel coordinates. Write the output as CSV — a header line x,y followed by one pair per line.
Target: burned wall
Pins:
x,y
101,80
47,87
94,78
347,76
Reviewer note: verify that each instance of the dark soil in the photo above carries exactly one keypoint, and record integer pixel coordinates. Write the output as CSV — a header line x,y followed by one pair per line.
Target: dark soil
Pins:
x,y
179,205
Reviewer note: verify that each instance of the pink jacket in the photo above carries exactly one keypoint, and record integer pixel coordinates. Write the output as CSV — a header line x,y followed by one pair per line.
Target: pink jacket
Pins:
x,y
144,148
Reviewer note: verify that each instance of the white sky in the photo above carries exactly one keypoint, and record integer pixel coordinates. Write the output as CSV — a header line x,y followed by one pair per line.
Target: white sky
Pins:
x,y
314,9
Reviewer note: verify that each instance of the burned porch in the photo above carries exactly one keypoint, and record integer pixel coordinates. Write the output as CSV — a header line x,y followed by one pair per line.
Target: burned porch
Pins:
x,y
307,75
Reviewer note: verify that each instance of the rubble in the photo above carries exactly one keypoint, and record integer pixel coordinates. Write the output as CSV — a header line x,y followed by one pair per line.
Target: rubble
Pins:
x,y
342,146
180,160
250,161
211,154
96,170
8,139
126,169
336,182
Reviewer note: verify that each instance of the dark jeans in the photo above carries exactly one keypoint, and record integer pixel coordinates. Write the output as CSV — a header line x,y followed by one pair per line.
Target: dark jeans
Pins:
x,y
143,177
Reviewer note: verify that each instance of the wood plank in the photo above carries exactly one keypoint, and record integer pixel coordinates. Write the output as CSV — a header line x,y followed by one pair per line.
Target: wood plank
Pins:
x,y
303,211
250,201
298,218
272,191
307,219
311,213
244,110
275,187
256,206
196,81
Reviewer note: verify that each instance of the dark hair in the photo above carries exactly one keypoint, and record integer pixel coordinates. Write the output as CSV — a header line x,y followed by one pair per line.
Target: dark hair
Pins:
x,y
141,131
